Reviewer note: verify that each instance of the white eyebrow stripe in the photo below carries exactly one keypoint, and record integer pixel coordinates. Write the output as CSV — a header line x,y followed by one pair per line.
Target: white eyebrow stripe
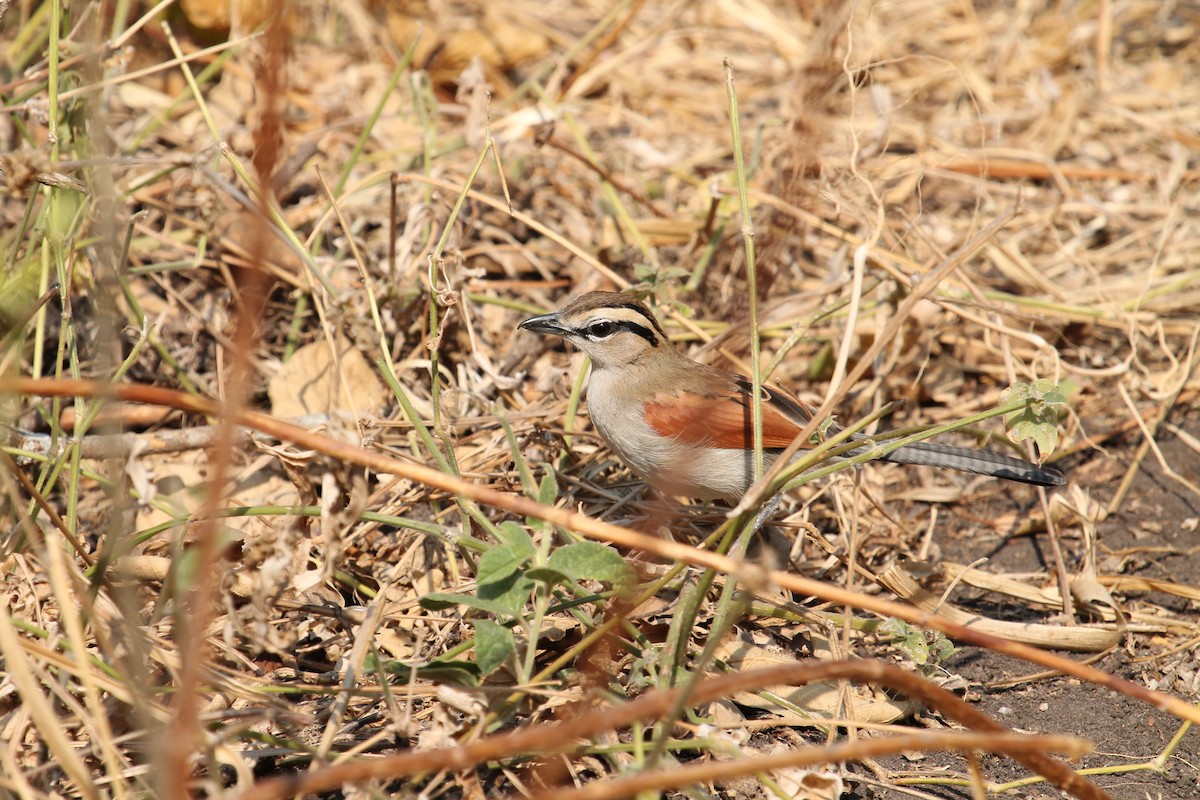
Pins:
x,y
625,317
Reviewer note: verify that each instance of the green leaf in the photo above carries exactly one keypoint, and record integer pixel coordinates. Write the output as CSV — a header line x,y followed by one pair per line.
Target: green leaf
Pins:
x,y
19,290
547,495
437,601
682,308
1015,393
513,535
509,595
907,639
494,644
547,574
1038,419
461,673
500,562
1044,436
921,648
941,649
548,489
592,561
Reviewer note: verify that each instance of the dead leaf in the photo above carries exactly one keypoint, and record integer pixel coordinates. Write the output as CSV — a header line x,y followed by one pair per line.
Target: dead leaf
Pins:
x,y
313,381
820,699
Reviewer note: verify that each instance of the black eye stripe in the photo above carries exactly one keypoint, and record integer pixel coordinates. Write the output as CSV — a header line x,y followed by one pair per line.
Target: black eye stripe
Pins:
x,y
649,317
625,325
640,330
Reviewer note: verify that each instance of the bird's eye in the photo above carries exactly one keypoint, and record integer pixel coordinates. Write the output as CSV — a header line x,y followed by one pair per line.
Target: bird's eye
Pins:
x,y
601,329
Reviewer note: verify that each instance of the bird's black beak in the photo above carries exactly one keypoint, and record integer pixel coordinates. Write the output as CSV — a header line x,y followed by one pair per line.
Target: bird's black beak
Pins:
x,y
546,323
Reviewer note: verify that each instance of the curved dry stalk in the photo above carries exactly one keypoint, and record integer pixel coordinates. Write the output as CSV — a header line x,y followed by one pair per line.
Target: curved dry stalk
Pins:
x,y
1010,744
595,529
547,739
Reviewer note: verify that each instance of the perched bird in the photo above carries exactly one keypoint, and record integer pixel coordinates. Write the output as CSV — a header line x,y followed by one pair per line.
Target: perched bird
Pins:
x,y
685,427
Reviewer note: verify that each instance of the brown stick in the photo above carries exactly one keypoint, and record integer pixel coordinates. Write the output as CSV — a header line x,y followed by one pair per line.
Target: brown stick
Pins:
x,y
595,529
567,736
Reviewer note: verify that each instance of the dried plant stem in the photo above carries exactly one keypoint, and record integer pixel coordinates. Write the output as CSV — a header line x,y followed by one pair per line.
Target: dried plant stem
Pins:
x,y
587,723
592,528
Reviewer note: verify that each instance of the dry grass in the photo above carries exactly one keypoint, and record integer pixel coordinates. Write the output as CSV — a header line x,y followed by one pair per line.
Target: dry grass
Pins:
x,y
194,609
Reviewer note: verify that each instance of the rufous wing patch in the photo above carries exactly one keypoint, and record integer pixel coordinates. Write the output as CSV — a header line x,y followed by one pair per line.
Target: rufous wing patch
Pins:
x,y
716,421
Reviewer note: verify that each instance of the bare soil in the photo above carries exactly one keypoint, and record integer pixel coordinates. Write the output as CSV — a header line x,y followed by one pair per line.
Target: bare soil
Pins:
x,y
1155,535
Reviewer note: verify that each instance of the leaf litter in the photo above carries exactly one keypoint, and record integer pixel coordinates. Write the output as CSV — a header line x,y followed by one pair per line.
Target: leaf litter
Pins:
x,y
903,129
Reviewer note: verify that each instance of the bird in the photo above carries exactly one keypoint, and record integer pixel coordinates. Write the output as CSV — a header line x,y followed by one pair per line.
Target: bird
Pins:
x,y
685,427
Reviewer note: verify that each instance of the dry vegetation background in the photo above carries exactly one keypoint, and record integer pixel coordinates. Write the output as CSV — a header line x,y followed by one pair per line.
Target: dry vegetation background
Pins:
x,y
193,608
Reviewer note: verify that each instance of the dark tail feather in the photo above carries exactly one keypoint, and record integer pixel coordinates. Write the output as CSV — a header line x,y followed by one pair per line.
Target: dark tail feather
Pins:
x,y
980,462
